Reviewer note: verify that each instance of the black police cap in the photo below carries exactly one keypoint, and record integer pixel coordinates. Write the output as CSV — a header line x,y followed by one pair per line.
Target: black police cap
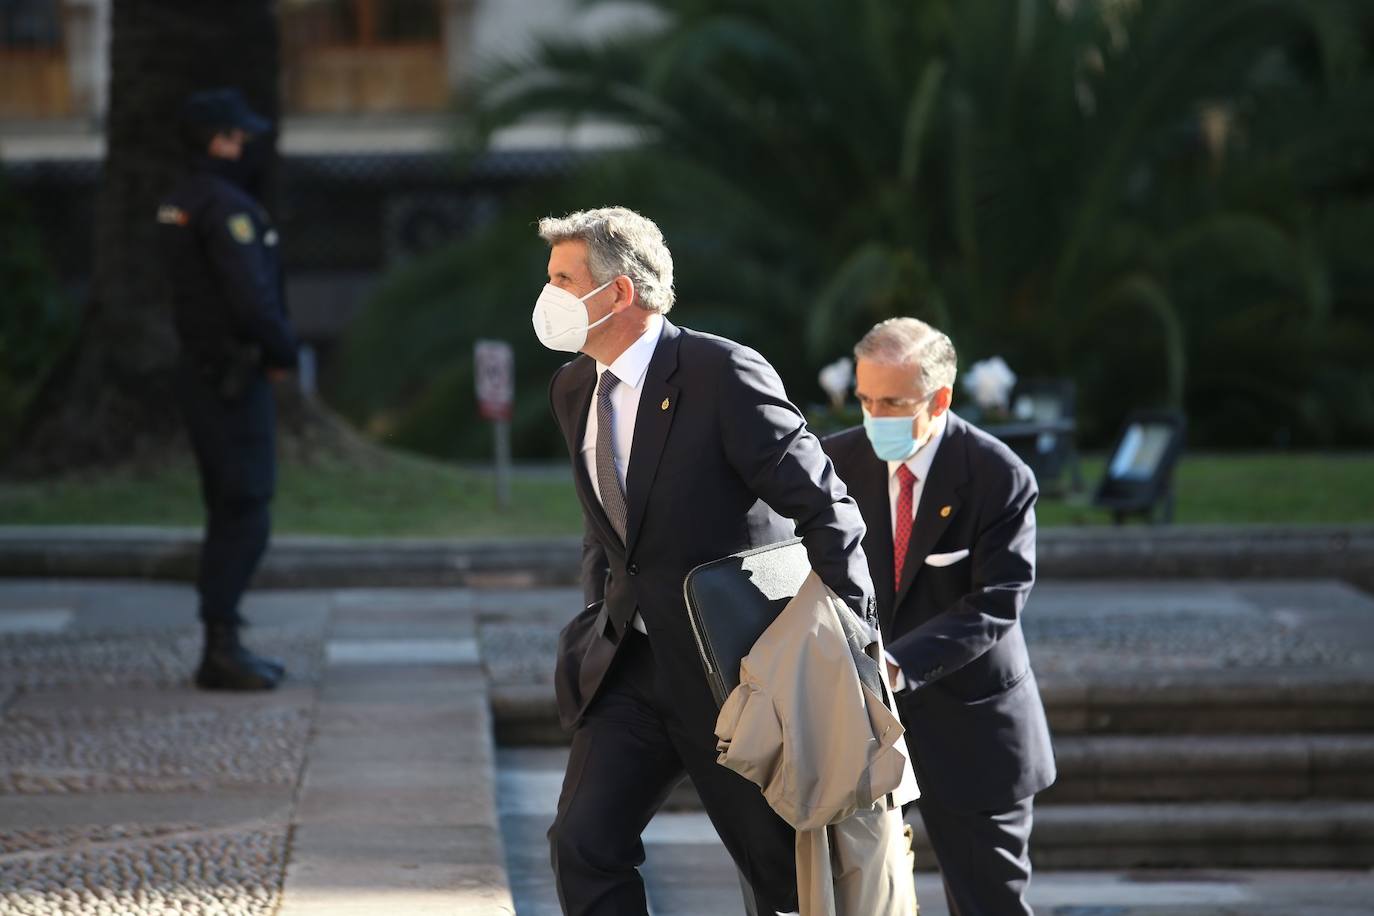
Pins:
x,y
224,108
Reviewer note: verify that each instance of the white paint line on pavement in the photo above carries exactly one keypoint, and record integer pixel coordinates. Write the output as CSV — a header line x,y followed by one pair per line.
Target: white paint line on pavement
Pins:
x,y
401,651
385,601
1051,890
683,828
32,621
528,791
535,792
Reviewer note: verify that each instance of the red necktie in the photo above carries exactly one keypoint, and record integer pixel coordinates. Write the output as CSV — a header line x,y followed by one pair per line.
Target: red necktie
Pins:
x,y
901,533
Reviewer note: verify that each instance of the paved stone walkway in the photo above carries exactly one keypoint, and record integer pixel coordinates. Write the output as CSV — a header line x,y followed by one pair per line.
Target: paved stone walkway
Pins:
x,y
1082,627
363,786
369,784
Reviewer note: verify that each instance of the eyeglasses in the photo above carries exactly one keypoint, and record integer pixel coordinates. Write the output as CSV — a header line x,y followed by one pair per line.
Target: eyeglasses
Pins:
x,y
898,406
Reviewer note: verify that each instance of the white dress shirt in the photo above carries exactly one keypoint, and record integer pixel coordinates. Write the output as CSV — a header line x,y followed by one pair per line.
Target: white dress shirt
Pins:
x,y
630,367
919,465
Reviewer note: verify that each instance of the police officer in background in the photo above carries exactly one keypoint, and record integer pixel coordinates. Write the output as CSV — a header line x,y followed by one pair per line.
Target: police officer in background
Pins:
x,y
230,313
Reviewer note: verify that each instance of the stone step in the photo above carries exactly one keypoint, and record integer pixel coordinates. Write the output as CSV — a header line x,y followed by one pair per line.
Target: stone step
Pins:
x,y
1241,701
1245,702
1240,768
1139,768
1300,834
1193,835
1315,833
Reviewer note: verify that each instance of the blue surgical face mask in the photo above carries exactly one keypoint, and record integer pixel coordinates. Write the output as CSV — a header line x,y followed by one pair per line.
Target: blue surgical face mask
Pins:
x,y
891,436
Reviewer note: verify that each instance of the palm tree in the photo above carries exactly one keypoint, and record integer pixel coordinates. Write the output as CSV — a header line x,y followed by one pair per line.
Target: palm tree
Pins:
x,y
1041,178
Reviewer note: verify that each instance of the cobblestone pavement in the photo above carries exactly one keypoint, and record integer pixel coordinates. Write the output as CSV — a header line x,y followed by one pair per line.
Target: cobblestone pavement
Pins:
x,y
102,736
1192,626
125,792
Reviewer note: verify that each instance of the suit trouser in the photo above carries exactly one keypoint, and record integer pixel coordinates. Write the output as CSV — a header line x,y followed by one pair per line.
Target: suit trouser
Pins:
x,y
628,753
234,442
984,856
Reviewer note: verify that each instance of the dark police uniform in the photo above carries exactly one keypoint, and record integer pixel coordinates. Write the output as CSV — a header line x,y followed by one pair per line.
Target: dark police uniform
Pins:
x,y
222,256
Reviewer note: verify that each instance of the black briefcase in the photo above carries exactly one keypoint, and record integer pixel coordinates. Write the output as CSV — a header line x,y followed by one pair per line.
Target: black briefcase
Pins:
x,y
731,601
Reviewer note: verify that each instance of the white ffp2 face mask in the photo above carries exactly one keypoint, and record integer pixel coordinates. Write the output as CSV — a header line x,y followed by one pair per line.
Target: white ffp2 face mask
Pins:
x,y
561,320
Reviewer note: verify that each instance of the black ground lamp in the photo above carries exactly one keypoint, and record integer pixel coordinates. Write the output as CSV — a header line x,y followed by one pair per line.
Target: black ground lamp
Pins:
x,y
1139,479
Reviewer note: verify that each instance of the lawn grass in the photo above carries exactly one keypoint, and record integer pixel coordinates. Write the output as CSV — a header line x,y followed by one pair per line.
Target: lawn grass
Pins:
x,y
403,496
399,496
1247,488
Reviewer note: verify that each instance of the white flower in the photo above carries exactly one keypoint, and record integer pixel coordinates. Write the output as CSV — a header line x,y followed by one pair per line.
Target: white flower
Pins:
x,y
989,382
836,380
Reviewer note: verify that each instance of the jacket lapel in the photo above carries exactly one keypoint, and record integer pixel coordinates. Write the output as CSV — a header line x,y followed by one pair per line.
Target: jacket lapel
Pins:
x,y
574,405
948,474
657,406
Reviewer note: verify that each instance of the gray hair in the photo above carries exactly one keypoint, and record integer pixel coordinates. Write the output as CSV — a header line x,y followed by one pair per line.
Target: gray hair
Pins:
x,y
907,341
619,241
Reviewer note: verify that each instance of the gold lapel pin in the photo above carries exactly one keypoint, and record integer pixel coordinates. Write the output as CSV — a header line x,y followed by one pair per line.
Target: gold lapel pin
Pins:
x,y
664,405
945,511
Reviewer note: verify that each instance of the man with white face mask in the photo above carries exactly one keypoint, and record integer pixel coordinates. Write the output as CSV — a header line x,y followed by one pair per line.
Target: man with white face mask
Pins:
x,y
951,546
685,449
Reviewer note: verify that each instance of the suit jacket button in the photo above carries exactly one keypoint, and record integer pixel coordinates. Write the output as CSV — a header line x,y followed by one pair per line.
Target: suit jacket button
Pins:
x,y
632,569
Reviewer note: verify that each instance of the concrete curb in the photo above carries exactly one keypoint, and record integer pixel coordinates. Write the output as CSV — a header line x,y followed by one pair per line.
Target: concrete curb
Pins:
x,y
1343,552
293,561
1183,552
396,810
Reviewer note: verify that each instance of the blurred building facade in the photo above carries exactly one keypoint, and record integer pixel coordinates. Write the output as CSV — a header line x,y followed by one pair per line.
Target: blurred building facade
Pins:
x,y
368,176
339,57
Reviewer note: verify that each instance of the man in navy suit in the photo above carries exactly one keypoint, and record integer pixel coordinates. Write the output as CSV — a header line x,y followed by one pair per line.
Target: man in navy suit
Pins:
x,y
685,448
950,513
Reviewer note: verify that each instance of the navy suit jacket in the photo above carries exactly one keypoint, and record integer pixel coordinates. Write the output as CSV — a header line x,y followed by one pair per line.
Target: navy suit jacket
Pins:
x,y
975,723
720,462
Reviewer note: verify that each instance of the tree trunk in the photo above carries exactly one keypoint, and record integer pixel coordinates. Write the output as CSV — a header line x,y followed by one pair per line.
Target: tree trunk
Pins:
x,y
110,400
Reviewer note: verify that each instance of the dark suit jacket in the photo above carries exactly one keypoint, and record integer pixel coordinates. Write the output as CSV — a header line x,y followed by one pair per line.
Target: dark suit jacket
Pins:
x,y
975,723
720,462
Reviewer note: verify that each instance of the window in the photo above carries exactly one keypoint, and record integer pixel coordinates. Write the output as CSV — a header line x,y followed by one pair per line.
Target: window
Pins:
x,y
30,25
349,56
34,82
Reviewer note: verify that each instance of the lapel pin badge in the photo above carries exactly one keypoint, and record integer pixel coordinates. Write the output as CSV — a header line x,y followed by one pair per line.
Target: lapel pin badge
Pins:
x,y
664,405
944,511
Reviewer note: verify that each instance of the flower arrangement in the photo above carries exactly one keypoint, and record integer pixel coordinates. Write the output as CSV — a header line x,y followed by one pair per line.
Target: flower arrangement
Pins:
x,y
989,382
836,379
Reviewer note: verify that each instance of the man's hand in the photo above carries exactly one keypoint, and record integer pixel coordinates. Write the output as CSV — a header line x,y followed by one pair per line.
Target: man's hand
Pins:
x,y
278,375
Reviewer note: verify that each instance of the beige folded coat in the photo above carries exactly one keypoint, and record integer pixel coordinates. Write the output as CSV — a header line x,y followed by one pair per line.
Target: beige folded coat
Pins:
x,y
812,723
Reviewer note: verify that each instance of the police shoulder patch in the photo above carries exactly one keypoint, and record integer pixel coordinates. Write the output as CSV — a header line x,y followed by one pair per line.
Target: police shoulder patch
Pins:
x,y
241,228
172,216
